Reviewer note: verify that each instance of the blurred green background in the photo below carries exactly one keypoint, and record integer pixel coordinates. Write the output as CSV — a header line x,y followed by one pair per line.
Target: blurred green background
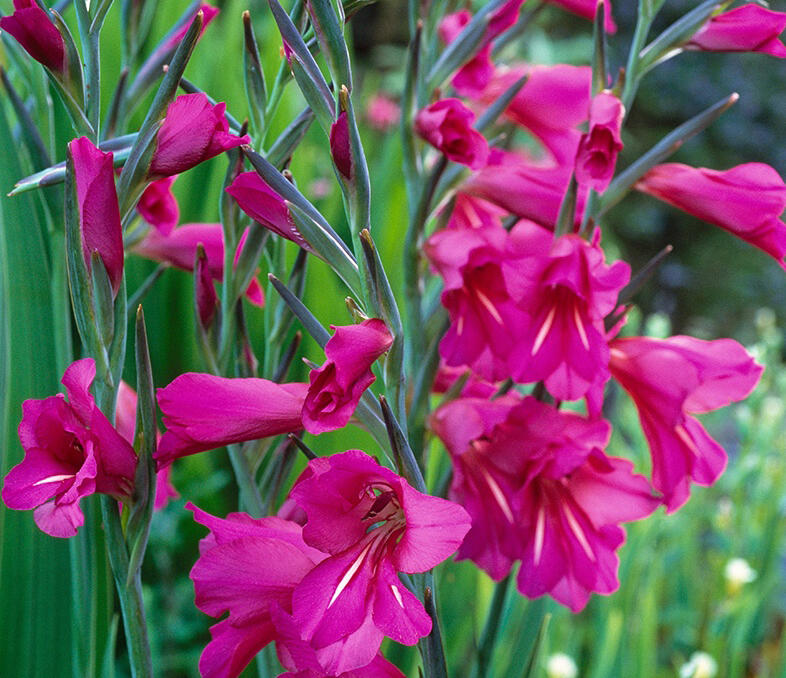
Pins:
x,y
674,599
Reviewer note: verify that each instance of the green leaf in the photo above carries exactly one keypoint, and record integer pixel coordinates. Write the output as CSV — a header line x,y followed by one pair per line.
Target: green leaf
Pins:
x,y
531,669
330,34
254,78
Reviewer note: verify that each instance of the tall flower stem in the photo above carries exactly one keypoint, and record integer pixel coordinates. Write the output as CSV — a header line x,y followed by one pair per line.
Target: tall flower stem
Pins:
x,y
491,630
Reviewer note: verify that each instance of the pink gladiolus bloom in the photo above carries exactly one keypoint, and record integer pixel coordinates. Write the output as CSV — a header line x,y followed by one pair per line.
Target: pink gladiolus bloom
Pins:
x,y
71,451
339,146
746,200
373,525
750,28
205,291
522,188
266,206
180,246
552,104
158,206
598,149
249,568
382,112
540,490
447,125
33,29
587,9
193,131
671,379
203,412
208,14
567,297
125,422
482,268
99,212
335,388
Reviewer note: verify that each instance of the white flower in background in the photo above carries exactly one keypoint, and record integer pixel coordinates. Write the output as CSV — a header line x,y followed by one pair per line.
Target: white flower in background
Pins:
x,y
738,573
560,665
701,665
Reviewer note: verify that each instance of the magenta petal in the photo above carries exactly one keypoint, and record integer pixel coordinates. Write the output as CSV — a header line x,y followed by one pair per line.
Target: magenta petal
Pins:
x,y
339,146
233,647
397,612
99,212
193,131
32,28
447,125
61,520
158,206
203,412
750,28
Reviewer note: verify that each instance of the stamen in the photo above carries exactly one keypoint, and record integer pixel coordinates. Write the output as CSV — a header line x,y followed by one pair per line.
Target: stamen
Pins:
x,y
684,436
496,491
544,330
578,532
54,479
580,327
349,574
460,326
397,595
540,528
616,354
489,307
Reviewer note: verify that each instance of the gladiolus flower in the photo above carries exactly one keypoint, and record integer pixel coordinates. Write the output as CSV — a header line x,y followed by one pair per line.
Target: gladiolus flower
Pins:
x,y
99,213
750,28
158,206
567,296
179,248
373,525
447,125
598,149
203,412
670,380
540,490
125,422
382,112
266,206
336,387
193,131
32,28
746,200
71,451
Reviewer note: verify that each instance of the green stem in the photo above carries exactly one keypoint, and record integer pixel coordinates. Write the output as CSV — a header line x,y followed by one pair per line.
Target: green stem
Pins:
x,y
250,498
491,630
632,75
130,594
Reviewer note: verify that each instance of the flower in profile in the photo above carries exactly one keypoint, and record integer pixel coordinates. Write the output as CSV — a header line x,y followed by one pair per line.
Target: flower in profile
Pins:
x,y
567,296
33,29
746,200
99,212
179,248
340,147
71,451
266,206
158,206
194,130
447,126
203,412
336,387
750,28
540,490
374,525
598,148
671,379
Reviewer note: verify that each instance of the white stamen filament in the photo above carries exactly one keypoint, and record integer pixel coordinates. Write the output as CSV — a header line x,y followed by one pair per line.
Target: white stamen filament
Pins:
x,y
460,326
580,327
54,479
397,595
496,491
349,574
616,354
578,532
489,307
540,528
684,436
544,330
